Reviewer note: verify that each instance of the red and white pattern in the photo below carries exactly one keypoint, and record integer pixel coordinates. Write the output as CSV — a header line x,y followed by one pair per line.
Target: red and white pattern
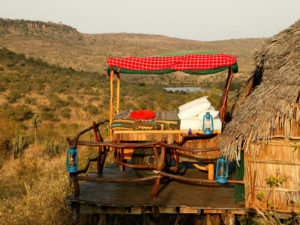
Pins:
x,y
184,62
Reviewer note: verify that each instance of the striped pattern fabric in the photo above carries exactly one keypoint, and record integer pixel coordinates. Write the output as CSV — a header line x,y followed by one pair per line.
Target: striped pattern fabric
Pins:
x,y
177,63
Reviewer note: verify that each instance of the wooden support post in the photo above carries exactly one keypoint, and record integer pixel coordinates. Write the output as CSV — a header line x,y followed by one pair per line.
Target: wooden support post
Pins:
x,y
229,219
224,99
74,177
198,220
209,168
98,138
208,219
102,219
211,171
118,93
111,111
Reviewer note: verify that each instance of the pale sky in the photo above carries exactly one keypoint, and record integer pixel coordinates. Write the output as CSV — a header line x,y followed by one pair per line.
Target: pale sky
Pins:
x,y
189,19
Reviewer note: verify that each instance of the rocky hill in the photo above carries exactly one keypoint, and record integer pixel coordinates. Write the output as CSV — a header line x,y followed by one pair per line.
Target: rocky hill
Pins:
x,y
63,45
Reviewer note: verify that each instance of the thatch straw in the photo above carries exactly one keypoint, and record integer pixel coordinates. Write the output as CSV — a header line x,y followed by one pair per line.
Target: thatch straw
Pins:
x,y
271,97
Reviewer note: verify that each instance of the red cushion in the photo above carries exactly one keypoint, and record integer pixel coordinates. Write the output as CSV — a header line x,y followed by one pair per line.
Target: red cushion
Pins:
x,y
142,114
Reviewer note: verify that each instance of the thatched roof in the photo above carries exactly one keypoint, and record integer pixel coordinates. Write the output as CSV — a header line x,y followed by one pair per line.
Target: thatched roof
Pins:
x,y
271,96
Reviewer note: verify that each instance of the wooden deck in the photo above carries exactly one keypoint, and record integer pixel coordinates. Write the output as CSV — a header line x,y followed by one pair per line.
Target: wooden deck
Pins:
x,y
173,196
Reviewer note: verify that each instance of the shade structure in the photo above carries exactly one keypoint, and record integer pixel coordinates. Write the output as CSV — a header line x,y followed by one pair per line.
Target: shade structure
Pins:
x,y
196,64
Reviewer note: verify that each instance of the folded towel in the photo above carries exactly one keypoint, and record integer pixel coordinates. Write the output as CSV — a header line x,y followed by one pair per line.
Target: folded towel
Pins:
x,y
142,114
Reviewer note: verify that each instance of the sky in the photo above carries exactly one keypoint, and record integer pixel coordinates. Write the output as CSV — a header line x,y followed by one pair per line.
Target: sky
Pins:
x,y
188,19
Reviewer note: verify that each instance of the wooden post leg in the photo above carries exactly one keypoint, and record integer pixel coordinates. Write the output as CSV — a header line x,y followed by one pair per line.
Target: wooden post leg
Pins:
x,y
122,159
197,220
76,185
211,171
102,219
230,219
223,103
111,113
208,219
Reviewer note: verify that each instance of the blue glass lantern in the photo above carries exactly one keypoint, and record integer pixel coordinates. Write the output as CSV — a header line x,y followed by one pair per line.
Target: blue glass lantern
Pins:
x,y
208,123
72,160
222,171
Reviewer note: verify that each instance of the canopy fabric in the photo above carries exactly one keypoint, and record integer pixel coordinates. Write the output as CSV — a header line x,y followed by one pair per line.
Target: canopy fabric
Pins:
x,y
190,63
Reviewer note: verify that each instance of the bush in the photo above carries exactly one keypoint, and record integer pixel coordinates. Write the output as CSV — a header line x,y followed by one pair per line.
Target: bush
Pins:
x,y
56,102
13,96
31,101
91,109
48,114
74,126
18,113
2,87
66,113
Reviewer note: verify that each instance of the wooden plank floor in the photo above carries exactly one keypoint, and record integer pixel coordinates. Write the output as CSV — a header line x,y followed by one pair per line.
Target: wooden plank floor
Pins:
x,y
171,193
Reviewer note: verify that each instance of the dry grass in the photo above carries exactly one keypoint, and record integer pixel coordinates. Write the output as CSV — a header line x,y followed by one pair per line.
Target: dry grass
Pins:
x,y
33,190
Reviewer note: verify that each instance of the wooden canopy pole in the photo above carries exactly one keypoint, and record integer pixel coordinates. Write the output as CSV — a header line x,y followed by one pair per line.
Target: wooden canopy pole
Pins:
x,y
224,99
111,112
118,92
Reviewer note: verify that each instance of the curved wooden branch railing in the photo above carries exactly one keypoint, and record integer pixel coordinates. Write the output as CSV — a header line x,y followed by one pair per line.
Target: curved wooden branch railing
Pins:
x,y
158,167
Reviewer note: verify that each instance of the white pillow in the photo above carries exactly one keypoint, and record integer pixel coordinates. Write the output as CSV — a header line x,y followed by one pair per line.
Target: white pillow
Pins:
x,y
196,101
194,110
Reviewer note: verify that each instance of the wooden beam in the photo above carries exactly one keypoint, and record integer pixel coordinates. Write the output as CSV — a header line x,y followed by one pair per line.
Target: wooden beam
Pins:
x,y
118,93
111,110
224,99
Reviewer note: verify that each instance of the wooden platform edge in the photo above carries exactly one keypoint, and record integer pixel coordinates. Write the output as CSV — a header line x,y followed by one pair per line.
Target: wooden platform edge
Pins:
x,y
137,210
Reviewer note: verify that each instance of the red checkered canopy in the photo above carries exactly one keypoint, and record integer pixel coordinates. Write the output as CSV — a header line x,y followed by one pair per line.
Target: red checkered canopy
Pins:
x,y
190,63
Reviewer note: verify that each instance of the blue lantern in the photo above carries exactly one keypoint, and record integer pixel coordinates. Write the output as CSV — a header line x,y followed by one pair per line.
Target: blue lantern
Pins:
x,y
208,124
72,160
222,171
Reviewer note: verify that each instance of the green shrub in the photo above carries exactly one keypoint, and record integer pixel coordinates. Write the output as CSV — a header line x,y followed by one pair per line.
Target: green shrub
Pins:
x,y
74,126
23,112
18,113
91,109
56,102
48,114
66,113
13,96
2,87
71,101
31,101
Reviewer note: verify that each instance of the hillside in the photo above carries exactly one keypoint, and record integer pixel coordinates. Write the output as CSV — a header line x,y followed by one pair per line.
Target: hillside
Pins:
x,y
65,46
67,99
